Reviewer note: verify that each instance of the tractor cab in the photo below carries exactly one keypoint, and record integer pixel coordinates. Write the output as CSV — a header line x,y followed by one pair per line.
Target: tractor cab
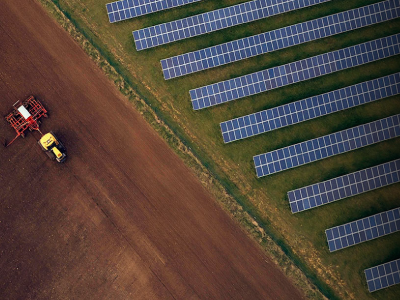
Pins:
x,y
53,147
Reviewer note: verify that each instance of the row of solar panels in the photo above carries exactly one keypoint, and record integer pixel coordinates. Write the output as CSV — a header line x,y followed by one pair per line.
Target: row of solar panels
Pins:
x,y
382,276
270,41
277,39
310,108
302,70
247,47
211,21
366,229
345,186
327,146
289,157
127,9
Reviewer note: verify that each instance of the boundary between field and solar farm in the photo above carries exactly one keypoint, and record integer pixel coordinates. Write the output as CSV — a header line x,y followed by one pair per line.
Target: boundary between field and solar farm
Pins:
x,y
82,12
233,202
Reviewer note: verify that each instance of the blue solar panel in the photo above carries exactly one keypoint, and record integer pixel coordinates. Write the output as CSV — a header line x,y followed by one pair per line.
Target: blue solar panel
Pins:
x,y
128,9
362,230
310,108
294,72
344,186
285,37
383,276
215,20
327,146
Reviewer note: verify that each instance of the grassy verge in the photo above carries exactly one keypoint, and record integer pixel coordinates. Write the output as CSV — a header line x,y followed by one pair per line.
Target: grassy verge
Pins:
x,y
259,205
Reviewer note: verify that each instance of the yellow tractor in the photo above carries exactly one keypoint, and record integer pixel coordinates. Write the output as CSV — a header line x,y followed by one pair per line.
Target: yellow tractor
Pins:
x,y
53,147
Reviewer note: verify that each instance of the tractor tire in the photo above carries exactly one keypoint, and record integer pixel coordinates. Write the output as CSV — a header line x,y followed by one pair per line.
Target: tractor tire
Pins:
x,y
51,155
61,147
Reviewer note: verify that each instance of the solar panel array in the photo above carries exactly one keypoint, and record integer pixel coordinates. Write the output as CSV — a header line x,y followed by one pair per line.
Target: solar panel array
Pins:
x,y
280,38
215,20
294,72
327,146
362,230
128,9
344,186
382,276
310,108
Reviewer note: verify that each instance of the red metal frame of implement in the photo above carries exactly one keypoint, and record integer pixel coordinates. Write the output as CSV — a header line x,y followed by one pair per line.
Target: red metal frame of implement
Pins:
x,y
25,116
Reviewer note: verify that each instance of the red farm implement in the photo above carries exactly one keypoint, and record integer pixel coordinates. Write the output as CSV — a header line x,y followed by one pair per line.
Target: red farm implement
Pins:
x,y
25,116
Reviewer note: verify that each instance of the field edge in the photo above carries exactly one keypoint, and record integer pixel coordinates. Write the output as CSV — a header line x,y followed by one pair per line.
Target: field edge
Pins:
x,y
233,203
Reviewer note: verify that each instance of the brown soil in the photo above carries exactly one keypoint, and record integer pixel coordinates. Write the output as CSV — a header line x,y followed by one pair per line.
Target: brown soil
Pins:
x,y
123,218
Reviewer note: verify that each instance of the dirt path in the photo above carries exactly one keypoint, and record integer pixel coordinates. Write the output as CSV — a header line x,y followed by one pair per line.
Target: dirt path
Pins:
x,y
123,218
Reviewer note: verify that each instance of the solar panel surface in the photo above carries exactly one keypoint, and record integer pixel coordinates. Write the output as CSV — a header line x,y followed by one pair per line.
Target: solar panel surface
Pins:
x,y
382,276
327,146
310,108
215,20
344,186
128,9
294,72
285,37
363,230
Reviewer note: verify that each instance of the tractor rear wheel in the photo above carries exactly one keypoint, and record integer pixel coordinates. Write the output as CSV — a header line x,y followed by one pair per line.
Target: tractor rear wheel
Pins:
x,y
51,155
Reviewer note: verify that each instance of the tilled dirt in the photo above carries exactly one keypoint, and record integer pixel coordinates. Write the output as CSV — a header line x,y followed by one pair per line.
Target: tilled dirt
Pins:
x,y
123,218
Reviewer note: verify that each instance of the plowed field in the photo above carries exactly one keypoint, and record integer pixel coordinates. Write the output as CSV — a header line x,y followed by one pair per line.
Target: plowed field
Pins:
x,y
123,218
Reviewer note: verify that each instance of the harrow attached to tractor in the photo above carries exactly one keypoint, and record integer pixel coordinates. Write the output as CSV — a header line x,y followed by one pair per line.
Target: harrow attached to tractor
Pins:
x,y
25,116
